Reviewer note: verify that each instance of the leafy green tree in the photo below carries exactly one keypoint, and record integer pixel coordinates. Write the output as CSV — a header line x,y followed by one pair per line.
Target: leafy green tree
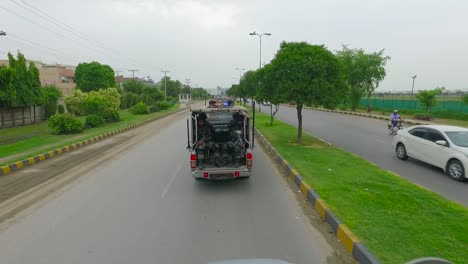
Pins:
x,y
199,93
248,85
173,88
428,98
50,96
152,95
363,72
94,76
24,95
34,83
307,74
268,90
133,86
7,92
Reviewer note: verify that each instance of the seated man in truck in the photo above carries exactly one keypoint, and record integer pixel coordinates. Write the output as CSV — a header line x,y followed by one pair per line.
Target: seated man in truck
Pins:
x,y
237,140
204,133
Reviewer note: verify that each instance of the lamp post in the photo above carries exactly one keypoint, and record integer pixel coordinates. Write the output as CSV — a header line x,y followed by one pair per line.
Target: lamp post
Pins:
x,y
165,88
260,36
260,61
240,71
412,89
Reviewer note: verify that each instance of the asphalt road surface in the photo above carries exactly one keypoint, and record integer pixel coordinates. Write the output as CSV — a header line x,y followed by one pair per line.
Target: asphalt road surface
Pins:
x,y
142,206
369,138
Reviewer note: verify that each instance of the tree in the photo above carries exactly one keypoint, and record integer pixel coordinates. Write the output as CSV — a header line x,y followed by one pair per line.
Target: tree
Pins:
x,y
94,76
152,95
133,86
7,93
363,72
307,74
50,96
248,85
428,98
268,90
199,93
173,88
35,86
24,95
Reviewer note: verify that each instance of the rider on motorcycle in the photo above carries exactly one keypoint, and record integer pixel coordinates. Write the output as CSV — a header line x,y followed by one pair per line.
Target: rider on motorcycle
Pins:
x,y
395,118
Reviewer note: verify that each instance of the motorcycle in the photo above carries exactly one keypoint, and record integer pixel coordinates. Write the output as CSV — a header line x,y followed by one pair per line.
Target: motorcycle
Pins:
x,y
393,129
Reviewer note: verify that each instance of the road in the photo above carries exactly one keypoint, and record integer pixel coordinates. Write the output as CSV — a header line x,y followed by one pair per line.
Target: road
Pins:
x,y
368,138
142,206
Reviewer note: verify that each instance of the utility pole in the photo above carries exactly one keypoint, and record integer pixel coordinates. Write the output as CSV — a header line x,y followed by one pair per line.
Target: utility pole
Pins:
x,y
118,79
412,89
133,72
165,88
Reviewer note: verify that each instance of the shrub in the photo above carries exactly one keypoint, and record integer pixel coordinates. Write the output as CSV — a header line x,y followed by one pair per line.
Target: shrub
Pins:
x,y
154,108
94,121
140,109
111,115
61,109
65,124
95,103
159,106
423,116
74,102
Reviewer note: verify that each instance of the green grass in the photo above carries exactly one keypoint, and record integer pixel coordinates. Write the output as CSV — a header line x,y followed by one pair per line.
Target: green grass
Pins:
x,y
19,143
397,220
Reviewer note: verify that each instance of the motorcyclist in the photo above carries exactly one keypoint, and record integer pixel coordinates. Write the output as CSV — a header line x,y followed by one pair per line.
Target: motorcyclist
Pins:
x,y
395,118
204,133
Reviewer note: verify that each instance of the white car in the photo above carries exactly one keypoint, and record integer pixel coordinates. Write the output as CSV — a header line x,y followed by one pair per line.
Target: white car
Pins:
x,y
445,147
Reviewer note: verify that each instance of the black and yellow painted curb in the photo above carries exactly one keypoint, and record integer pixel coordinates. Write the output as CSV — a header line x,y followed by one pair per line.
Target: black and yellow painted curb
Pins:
x,y
4,170
344,234
411,122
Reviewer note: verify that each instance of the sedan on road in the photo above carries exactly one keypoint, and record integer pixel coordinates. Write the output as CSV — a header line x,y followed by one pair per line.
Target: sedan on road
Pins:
x,y
445,147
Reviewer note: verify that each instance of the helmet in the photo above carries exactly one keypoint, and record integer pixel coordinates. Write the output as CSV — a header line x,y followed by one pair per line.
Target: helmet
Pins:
x,y
395,111
237,116
201,117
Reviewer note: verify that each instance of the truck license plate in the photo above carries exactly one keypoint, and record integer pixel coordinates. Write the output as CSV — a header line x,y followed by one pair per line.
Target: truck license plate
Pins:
x,y
222,176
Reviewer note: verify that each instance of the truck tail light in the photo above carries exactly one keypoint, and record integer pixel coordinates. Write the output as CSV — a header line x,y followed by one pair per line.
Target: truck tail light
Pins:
x,y
193,161
249,160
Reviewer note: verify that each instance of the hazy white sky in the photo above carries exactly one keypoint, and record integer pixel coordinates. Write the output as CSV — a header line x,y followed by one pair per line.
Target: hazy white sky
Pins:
x,y
206,40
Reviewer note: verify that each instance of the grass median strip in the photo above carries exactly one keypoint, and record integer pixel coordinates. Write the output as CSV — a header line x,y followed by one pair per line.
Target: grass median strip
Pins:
x,y
397,220
20,143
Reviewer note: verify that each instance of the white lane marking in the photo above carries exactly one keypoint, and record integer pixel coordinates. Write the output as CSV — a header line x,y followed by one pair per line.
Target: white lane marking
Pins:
x,y
166,189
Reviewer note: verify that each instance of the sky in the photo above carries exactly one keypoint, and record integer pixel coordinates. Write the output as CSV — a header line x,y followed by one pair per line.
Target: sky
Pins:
x,y
206,40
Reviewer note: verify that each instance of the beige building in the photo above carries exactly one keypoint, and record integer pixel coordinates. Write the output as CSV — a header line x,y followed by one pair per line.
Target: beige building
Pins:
x,y
59,75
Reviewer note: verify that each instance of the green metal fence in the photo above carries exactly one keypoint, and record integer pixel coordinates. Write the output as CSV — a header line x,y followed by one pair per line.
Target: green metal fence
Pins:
x,y
403,102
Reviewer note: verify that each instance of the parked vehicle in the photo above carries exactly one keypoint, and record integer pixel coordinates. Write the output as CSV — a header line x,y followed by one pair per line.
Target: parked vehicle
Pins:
x,y
445,147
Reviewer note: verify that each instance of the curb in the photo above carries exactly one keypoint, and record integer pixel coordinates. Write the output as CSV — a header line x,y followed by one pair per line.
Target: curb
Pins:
x,y
411,122
5,170
359,252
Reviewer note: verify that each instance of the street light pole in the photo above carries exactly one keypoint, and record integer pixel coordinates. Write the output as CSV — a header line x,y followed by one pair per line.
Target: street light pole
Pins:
x,y
260,36
412,89
260,61
165,88
240,71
